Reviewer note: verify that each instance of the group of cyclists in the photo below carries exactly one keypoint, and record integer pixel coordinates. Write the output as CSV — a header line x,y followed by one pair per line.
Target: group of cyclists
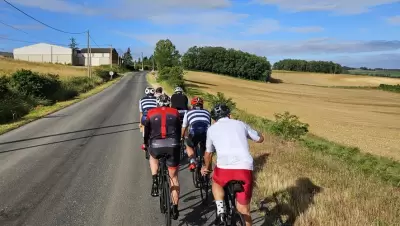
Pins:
x,y
166,121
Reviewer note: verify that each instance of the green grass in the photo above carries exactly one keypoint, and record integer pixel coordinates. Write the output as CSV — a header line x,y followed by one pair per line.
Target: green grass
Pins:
x,y
42,111
382,168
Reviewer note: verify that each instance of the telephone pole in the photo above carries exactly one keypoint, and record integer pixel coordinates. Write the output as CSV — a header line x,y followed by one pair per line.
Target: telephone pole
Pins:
x,y
111,52
87,54
142,61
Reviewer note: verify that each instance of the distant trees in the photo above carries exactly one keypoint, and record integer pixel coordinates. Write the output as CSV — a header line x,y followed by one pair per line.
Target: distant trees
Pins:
x,y
127,58
166,54
308,66
227,61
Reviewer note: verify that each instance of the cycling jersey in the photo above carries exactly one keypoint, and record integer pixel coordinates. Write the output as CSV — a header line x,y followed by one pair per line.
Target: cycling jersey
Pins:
x,y
179,101
198,120
145,104
162,123
162,134
228,137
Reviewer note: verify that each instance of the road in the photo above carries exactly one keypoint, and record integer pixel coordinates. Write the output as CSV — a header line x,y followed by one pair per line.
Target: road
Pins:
x,y
83,166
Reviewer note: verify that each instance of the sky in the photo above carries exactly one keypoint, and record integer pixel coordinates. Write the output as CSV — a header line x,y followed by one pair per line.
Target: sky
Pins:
x,y
350,32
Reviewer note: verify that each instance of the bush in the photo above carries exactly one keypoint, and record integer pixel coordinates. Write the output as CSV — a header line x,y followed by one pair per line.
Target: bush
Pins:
x,y
391,88
289,127
172,75
4,89
34,84
14,106
220,99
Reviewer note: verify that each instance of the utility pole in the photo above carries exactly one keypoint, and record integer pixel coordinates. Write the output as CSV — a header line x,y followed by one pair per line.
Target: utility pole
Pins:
x,y
87,54
142,61
111,52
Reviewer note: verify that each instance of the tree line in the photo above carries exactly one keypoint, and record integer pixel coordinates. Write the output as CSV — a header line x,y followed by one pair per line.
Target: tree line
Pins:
x,y
328,67
228,62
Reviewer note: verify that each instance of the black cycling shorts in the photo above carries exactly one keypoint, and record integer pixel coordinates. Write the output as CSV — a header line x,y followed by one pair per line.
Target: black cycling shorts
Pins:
x,y
194,139
168,146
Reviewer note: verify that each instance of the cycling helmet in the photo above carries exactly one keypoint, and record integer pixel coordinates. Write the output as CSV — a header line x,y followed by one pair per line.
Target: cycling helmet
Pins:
x,y
220,111
178,90
159,90
197,101
149,91
163,100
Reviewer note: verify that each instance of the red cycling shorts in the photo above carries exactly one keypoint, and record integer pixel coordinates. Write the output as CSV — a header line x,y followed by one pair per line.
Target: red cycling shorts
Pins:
x,y
223,176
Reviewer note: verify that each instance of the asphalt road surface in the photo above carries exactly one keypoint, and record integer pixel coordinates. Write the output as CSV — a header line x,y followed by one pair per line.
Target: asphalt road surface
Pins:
x,y
83,166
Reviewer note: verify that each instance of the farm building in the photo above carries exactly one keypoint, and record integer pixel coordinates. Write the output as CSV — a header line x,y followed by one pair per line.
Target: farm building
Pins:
x,y
43,52
101,56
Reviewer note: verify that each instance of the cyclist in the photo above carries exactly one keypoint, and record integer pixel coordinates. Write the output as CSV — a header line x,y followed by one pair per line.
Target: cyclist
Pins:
x,y
228,137
179,101
146,103
162,136
159,91
198,119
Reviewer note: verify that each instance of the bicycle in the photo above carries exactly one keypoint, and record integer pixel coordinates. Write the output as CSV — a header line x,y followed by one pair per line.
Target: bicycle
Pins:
x,y
183,148
200,181
164,189
233,217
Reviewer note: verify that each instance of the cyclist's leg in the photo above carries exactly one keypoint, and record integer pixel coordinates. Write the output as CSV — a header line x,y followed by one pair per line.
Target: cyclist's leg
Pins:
x,y
190,151
243,198
173,169
154,152
217,188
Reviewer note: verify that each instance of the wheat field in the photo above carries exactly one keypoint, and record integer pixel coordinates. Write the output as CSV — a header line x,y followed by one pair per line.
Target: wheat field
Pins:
x,y
368,119
9,66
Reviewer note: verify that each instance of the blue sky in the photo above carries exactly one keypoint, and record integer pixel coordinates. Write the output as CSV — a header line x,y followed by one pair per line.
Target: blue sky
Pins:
x,y
350,32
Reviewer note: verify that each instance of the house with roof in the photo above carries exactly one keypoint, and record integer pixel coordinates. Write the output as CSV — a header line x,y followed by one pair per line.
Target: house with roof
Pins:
x,y
100,56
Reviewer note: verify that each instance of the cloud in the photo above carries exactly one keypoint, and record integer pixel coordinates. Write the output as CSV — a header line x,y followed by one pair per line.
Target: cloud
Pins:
x,y
265,26
394,20
271,48
214,18
338,6
60,6
309,29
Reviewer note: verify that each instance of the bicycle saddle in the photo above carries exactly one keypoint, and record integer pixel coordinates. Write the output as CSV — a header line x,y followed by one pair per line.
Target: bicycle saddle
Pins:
x,y
236,185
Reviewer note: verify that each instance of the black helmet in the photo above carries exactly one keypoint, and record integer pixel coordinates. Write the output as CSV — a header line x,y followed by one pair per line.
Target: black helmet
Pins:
x,y
220,111
159,90
163,100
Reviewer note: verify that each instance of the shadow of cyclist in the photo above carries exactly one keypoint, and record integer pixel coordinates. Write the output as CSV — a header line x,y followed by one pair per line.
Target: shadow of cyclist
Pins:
x,y
200,213
289,203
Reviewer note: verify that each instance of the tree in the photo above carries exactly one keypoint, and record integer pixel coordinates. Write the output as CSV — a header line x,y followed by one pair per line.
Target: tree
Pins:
x,y
328,67
228,62
165,54
73,45
127,58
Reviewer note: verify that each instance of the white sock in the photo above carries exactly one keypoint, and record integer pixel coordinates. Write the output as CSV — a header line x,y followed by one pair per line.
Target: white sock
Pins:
x,y
220,207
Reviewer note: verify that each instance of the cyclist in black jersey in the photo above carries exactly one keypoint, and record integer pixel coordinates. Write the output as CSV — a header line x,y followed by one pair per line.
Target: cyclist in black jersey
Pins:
x,y
180,102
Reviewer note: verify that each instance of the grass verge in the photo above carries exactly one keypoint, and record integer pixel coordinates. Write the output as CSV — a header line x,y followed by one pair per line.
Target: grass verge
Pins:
x,y
42,111
318,182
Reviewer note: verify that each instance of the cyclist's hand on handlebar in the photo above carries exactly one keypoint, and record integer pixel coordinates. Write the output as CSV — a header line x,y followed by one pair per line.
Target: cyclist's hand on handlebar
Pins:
x,y
205,171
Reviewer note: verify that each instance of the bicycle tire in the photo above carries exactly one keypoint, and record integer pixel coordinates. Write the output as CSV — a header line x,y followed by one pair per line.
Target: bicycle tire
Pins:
x,y
161,192
205,187
237,219
167,202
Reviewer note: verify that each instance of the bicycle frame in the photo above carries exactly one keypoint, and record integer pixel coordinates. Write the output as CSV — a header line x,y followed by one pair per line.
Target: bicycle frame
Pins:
x,y
164,188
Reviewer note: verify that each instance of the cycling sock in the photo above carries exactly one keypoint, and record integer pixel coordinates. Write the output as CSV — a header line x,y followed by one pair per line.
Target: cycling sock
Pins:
x,y
192,160
220,206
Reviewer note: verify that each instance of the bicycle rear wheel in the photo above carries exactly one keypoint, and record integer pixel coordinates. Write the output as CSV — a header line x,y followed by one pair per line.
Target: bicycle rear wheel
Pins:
x,y
167,203
162,193
204,186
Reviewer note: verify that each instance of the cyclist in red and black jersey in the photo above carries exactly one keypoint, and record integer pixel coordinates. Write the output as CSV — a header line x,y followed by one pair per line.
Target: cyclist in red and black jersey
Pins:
x,y
162,136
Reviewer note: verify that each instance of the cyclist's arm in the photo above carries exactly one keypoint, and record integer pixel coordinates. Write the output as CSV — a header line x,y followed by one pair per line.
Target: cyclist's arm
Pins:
x,y
253,134
209,151
184,124
147,129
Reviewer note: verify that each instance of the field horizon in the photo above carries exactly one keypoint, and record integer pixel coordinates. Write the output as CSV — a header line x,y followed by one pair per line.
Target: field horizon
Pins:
x,y
367,119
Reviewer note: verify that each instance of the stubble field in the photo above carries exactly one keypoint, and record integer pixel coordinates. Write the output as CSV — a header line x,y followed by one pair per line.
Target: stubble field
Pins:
x,y
368,119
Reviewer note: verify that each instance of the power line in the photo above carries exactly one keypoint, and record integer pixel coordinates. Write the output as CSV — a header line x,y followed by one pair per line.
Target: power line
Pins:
x,y
72,33
93,41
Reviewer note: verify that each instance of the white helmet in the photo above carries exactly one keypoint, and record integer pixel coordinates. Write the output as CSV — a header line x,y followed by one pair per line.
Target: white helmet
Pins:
x,y
178,89
163,100
149,91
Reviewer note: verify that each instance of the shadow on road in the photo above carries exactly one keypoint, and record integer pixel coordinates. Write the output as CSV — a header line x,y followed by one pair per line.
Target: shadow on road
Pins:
x,y
60,134
67,140
199,213
284,206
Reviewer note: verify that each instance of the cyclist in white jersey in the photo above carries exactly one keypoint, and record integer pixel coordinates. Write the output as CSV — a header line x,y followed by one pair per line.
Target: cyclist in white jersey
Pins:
x,y
228,137
145,104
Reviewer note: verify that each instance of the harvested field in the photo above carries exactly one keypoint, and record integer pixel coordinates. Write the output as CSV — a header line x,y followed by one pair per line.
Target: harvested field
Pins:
x,y
318,79
8,66
368,119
